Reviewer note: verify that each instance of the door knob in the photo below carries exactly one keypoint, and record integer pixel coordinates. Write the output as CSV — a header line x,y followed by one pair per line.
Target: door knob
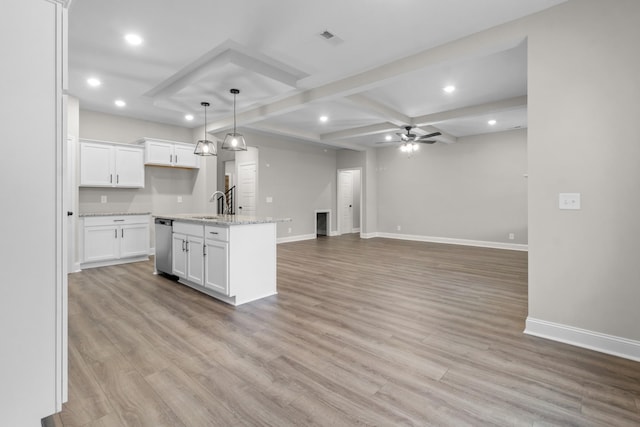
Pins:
x,y
69,213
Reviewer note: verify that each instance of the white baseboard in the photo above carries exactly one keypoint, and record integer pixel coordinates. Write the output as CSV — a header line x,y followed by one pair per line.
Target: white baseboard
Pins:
x,y
76,268
297,238
610,344
451,241
152,251
368,235
333,233
355,230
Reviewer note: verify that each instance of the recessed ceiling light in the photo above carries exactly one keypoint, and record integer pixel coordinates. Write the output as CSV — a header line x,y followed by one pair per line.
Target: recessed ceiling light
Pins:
x,y
324,119
188,117
492,122
133,39
388,138
93,82
119,103
449,89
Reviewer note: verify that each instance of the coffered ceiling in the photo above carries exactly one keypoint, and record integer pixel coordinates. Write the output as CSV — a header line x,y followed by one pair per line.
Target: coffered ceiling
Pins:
x,y
373,77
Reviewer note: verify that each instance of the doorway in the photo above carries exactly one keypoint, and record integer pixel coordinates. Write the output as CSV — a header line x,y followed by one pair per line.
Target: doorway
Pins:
x,y
323,223
349,201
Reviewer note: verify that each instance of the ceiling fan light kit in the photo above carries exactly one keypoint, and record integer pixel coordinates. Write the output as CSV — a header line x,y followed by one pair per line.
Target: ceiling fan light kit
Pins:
x,y
234,141
204,147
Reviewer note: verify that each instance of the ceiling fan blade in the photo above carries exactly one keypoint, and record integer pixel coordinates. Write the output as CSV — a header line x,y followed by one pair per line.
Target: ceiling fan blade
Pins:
x,y
426,141
431,135
388,142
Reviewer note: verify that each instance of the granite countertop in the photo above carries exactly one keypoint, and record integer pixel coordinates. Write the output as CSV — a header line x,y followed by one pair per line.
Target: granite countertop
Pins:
x,y
222,219
112,213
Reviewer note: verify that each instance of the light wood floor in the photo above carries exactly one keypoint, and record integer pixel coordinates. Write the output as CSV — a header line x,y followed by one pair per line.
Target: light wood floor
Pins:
x,y
373,332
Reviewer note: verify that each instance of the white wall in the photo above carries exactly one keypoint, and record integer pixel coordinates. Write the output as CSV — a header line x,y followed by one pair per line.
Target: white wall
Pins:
x,y
30,186
471,190
583,137
300,177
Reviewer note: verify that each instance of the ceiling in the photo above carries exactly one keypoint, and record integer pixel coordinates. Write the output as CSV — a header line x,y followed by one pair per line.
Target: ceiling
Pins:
x,y
372,78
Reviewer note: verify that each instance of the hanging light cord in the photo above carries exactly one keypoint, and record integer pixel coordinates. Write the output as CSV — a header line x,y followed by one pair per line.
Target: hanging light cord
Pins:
x,y
234,113
205,123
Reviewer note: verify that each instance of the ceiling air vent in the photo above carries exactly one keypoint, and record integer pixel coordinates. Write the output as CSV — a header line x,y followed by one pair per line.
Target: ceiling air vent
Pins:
x,y
331,38
326,34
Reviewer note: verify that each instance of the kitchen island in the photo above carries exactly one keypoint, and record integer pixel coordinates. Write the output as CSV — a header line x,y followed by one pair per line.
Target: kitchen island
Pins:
x,y
229,257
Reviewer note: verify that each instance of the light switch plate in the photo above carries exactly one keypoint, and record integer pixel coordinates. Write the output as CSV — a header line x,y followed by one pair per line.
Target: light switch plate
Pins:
x,y
269,199
179,199
103,199
569,201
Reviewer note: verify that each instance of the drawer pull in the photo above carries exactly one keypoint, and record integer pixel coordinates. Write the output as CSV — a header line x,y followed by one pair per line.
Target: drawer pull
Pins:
x,y
118,220
213,232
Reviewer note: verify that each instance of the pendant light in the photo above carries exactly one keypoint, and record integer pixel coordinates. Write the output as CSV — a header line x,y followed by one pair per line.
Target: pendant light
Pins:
x,y
204,146
234,141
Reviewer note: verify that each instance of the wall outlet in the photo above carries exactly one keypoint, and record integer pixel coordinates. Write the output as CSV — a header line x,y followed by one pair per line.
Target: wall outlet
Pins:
x,y
398,228
269,199
289,230
179,199
512,236
569,201
103,199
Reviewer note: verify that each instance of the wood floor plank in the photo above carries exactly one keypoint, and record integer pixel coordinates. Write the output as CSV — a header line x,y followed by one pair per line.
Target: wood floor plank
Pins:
x,y
362,332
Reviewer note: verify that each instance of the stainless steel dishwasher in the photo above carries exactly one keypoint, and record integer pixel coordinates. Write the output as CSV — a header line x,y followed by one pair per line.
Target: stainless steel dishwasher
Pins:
x,y
164,231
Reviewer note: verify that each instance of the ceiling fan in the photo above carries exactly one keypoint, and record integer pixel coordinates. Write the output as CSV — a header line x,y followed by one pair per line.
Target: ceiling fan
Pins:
x,y
409,137
410,140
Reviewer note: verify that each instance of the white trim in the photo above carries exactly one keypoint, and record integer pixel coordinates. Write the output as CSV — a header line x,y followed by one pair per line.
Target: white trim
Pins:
x,y
152,251
333,233
109,262
76,268
452,241
355,230
609,344
297,238
368,235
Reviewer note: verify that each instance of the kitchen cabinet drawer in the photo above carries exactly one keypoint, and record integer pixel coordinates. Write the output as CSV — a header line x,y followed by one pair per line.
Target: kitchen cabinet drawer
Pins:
x,y
216,233
188,228
115,220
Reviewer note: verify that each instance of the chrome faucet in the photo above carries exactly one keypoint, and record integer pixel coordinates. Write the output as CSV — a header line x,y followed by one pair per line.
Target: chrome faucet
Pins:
x,y
225,208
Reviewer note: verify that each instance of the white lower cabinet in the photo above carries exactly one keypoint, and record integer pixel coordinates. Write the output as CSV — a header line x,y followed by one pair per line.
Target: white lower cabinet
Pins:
x,y
217,260
188,252
201,256
108,240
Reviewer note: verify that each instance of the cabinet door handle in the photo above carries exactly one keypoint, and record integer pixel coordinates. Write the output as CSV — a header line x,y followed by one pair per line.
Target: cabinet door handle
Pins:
x,y
118,179
204,250
111,178
187,246
170,158
176,158
118,220
183,245
122,233
116,233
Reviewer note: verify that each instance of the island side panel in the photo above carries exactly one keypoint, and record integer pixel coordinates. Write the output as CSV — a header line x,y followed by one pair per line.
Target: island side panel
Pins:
x,y
252,261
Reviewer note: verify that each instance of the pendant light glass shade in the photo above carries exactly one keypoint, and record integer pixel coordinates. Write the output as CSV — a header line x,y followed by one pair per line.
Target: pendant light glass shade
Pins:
x,y
204,147
234,141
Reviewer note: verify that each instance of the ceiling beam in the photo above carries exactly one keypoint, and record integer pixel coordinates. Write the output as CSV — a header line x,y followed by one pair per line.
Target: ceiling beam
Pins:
x,y
359,131
490,42
391,115
474,110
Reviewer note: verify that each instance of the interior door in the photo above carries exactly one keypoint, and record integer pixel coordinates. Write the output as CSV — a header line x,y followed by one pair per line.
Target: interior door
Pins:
x,y
247,188
345,182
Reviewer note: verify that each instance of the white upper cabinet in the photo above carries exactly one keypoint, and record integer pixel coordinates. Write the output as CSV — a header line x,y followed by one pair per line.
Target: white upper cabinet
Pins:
x,y
159,152
109,164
